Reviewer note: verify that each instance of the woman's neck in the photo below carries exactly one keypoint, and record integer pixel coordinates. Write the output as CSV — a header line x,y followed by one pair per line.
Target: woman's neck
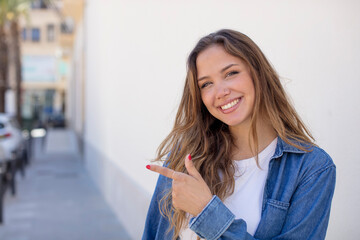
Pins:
x,y
265,133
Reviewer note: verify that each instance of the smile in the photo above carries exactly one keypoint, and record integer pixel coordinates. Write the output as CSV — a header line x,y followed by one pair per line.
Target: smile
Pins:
x,y
230,104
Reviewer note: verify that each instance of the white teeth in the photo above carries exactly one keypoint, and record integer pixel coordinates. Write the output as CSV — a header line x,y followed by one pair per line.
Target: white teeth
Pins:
x,y
229,105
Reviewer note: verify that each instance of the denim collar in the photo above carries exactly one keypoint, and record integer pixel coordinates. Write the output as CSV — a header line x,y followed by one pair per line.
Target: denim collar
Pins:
x,y
282,147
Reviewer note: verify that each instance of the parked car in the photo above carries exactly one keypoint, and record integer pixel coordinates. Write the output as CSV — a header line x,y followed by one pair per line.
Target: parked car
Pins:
x,y
13,155
56,121
11,137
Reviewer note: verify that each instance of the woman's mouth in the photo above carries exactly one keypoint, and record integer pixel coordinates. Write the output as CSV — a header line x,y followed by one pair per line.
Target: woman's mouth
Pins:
x,y
230,104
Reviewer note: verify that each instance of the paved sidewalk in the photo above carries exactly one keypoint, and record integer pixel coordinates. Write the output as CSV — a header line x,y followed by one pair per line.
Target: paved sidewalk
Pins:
x,y
57,200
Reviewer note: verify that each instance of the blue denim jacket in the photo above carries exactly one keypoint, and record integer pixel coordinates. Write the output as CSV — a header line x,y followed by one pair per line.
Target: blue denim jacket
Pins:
x,y
296,202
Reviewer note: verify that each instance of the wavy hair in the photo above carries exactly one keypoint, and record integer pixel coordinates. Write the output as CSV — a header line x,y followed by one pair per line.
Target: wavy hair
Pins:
x,y
208,139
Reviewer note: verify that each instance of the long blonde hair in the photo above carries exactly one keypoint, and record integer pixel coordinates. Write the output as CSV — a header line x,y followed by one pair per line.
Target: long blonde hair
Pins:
x,y
209,140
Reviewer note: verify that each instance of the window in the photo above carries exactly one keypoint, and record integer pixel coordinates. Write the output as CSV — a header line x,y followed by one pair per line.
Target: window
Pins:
x,y
38,4
35,35
24,34
51,32
67,26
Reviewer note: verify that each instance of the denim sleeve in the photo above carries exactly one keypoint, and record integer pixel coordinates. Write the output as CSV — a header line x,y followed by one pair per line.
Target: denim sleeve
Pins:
x,y
216,221
307,216
155,224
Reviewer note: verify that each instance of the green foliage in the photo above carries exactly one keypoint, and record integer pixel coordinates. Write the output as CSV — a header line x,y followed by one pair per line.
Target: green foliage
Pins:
x,y
3,11
12,9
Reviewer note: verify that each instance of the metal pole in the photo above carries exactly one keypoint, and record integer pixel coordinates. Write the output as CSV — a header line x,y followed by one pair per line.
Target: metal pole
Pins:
x,y
1,198
2,190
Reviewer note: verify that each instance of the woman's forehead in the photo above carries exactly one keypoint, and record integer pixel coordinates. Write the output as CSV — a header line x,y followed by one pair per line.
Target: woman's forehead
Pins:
x,y
214,59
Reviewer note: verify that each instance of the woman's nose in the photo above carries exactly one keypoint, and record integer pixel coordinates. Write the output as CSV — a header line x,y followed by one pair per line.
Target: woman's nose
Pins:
x,y
222,91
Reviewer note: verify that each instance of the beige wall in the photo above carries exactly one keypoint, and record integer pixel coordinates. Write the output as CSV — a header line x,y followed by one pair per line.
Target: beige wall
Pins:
x,y
40,19
135,67
62,48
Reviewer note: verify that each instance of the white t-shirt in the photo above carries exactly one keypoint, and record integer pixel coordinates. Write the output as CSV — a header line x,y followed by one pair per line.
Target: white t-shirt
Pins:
x,y
246,201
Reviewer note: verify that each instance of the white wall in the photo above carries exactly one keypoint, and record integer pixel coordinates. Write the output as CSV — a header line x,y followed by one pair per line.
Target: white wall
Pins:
x,y
135,67
76,83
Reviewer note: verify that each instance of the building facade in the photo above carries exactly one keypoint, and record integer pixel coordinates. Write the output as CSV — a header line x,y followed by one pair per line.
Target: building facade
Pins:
x,y
47,38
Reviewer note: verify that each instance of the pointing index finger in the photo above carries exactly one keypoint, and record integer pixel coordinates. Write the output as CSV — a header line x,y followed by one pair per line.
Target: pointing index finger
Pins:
x,y
162,170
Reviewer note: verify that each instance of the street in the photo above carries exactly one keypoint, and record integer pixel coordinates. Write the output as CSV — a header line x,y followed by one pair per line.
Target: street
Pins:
x,y
57,199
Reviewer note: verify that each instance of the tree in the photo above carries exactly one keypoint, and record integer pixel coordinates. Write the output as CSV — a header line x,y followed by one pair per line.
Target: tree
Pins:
x,y
3,54
10,12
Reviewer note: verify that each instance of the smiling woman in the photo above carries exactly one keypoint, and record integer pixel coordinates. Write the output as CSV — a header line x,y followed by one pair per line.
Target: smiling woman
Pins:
x,y
227,89
240,163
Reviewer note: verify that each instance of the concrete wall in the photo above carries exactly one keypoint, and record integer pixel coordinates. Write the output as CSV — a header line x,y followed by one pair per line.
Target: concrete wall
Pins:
x,y
76,84
135,66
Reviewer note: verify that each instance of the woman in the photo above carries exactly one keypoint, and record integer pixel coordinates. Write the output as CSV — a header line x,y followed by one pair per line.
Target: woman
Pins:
x,y
240,163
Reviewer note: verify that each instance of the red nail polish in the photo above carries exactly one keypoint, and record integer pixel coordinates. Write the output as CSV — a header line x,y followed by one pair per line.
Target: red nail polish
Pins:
x,y
148,166
189,157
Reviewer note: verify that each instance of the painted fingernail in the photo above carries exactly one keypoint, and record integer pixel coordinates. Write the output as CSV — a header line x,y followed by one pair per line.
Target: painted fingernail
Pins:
x,y
148,166
189,157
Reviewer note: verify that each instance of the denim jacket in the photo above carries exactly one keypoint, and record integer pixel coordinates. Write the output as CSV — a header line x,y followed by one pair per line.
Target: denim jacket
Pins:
x,y
296,202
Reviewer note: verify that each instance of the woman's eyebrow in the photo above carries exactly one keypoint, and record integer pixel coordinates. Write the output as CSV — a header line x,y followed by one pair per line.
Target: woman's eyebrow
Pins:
x,y
228,66
222,70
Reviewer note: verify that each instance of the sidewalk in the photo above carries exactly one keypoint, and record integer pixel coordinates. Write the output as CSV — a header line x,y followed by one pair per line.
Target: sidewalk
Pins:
x,y
57,200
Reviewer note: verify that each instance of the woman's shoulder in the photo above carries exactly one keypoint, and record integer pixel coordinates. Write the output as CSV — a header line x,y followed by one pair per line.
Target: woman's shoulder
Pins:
x,y
320,155
308,162
307,152
315,162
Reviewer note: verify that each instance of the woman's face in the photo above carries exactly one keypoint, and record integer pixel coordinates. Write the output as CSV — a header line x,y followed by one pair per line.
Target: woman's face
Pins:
x,y
227,90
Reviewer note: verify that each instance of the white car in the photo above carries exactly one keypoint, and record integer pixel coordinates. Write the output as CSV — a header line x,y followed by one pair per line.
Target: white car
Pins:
x,y
11,138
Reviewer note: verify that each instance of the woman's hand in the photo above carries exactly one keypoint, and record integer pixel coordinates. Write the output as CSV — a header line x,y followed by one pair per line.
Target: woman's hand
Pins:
x,y
190,192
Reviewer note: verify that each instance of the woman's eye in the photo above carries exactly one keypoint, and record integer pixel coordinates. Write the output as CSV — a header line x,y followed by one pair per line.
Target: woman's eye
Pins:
x,y
231,73
205,85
